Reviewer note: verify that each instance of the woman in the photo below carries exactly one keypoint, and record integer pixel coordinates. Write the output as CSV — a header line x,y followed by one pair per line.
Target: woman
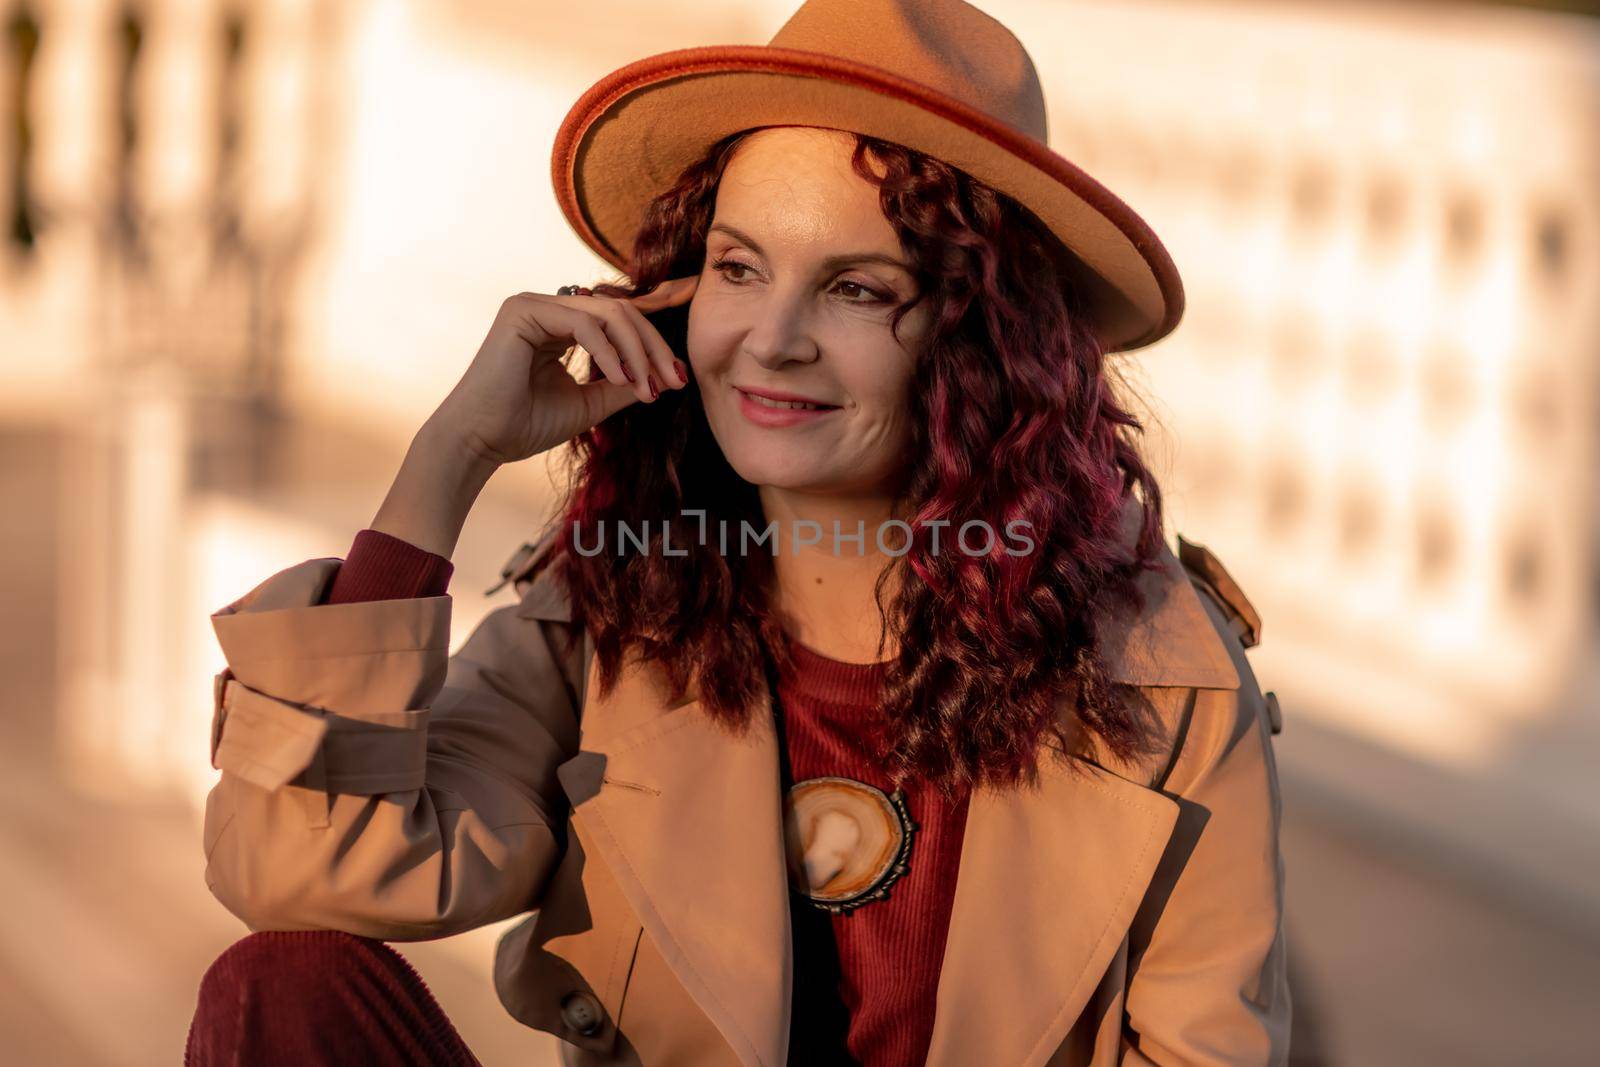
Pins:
x,y
960,766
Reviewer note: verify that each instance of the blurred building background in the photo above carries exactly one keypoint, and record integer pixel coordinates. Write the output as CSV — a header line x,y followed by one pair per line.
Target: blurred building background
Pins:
x,y
249,246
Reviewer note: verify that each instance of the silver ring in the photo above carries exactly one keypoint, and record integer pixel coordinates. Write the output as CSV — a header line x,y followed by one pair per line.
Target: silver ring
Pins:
x,y
574,290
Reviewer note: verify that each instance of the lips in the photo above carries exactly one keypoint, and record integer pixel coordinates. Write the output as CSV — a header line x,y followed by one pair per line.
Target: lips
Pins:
x,y
778,401
784,410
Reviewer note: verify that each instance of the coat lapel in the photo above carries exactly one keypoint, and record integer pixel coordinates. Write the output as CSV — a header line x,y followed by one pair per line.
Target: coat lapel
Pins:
x,y
1050,877
1048,883
688,818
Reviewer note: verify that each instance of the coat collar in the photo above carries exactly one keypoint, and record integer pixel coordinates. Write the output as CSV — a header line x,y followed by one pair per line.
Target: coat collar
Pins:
x,y
686,815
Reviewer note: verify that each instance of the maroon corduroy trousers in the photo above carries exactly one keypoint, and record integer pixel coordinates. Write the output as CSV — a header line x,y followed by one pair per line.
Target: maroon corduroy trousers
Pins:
x,y
318,997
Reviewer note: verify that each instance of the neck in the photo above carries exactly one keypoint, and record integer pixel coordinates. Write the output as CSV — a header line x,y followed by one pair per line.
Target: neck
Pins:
x,y
825,589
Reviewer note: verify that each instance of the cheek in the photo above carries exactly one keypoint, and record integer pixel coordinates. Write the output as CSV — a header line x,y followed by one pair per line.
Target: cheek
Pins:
x,y
886,397
891,382
691,337
707,347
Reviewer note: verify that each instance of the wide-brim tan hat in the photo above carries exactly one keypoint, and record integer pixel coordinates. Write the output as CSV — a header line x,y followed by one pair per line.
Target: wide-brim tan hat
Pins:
x,y
937,76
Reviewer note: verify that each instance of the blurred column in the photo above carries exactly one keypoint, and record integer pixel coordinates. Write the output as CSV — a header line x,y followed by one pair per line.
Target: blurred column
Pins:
x,y
200,221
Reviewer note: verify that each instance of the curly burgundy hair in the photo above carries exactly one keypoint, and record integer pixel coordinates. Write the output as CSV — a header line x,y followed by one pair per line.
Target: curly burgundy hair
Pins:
x,y
1016,419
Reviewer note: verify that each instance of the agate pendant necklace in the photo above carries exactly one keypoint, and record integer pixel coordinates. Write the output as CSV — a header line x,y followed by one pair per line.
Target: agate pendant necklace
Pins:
x,y
845,842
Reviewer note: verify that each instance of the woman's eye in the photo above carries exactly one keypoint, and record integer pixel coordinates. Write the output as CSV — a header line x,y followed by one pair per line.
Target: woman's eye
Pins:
x,y
872,294
723,266
862,294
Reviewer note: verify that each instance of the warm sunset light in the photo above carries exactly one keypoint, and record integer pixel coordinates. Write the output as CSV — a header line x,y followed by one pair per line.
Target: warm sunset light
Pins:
x,y
248,248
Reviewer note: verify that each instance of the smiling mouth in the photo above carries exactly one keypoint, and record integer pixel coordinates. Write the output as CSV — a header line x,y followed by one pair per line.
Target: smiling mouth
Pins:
x,y
785,405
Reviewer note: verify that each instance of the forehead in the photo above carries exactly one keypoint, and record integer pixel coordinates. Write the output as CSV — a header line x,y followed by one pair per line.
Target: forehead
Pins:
x,y
795,184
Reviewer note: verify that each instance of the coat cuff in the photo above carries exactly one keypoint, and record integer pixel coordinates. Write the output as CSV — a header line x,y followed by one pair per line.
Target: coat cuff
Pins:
x,y
361,659
271,743
330,696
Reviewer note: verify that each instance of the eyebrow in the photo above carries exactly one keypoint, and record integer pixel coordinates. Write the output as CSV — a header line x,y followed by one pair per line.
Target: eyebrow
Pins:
x,y
831,263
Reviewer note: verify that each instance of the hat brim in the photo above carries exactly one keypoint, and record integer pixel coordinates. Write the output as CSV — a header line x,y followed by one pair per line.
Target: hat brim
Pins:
x,y
634,131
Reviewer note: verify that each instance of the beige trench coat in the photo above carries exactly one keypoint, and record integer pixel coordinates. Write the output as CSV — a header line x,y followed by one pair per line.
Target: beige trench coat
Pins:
x,y
373,783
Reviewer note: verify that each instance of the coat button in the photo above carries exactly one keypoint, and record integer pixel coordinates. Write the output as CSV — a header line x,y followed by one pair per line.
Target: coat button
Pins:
x,y
1274,713
582,1012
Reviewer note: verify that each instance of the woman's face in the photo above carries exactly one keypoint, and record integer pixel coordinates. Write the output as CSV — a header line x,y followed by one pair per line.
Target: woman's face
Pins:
x,y
788,305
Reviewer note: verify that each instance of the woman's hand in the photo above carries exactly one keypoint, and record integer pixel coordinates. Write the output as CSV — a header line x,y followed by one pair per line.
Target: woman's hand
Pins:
x,y
516,398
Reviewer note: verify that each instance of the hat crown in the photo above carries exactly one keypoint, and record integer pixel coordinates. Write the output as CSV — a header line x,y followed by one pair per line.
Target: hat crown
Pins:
x,y
937,76
946,45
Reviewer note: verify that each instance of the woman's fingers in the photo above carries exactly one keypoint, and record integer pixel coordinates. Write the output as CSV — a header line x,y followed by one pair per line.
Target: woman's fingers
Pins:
x,y
670,293
602,399
634,350
630,347
612,340
666,364
590,332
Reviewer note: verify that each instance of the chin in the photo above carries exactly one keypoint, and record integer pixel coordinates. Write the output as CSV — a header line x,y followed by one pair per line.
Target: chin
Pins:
x,y
778,471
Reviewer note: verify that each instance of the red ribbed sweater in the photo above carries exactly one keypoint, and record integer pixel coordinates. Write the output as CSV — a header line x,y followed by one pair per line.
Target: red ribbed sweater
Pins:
x,y
864,981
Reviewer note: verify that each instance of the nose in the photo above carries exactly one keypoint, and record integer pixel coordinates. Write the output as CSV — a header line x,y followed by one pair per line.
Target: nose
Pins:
x,y
780,331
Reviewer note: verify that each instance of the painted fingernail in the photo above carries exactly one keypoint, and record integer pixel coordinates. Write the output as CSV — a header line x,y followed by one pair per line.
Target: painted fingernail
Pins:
x,y
683,374
654,392
626,373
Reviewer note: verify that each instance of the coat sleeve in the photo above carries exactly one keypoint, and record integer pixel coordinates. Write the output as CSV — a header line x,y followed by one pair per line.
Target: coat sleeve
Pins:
x,y
1209,980
373,783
